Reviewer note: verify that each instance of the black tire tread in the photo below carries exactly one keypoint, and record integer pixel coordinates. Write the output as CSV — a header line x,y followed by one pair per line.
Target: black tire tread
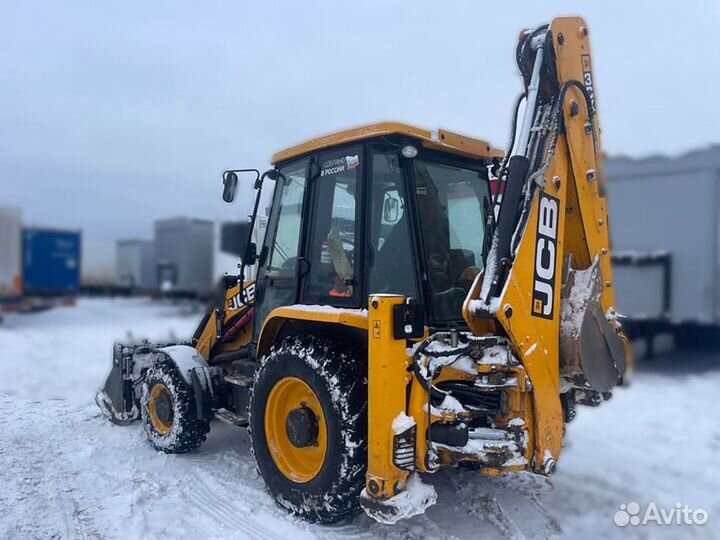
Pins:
x,y
188,431
345,377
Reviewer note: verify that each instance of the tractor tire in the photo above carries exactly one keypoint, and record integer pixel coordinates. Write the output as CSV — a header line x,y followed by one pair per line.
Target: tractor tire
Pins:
x,y
308,426
169,412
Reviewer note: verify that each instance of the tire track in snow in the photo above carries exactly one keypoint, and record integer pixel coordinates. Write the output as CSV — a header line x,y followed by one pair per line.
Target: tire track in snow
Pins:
x,y
67,516
350,531
78,523
240,457
510,504
206,499
551,522
485,507
494,513
530,487
203,494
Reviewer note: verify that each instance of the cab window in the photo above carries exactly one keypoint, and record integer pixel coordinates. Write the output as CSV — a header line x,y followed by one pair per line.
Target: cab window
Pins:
x,y
279,279
452,202
392,269
333,243
283,256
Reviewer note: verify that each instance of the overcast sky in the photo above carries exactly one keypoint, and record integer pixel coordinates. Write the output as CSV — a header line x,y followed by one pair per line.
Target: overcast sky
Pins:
x,y
114,114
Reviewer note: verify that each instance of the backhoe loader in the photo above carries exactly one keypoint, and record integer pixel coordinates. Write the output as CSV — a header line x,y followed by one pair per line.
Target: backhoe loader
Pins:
x,y
420,300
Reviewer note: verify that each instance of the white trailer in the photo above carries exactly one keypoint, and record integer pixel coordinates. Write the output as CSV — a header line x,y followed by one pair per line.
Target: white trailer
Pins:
x,y
135,265
10,252
184,256
665,226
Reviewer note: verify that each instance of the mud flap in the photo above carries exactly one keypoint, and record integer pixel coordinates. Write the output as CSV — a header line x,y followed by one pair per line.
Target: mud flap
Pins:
x,y
592,353
116,398
203,391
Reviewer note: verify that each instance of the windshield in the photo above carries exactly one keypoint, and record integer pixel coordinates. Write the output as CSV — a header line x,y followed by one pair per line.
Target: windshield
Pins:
x,y
451,203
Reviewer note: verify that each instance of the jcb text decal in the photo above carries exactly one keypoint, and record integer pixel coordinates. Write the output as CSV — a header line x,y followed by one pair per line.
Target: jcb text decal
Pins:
x,y
236,301
545,257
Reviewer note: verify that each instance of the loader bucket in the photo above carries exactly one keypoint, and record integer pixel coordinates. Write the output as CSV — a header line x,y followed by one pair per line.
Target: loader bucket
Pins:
x,y
116,399
592,352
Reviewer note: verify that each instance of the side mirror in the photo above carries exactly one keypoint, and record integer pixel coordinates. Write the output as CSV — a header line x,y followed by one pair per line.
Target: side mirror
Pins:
x,y
230,181
250,255
391,210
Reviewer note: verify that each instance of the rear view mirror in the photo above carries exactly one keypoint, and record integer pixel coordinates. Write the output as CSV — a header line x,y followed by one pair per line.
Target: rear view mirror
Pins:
x,y
250,255
230,181
391,210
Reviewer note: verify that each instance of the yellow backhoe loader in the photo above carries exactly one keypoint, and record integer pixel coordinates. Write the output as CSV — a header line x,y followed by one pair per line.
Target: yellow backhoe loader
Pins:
x,y
421,300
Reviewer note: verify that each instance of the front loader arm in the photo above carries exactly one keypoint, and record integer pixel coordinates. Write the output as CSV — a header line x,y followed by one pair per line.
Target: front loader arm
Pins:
x,y
223,335
548,277
227,327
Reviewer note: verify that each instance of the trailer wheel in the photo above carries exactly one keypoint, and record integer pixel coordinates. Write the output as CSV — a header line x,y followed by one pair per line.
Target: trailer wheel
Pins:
x,y
169,412
308,426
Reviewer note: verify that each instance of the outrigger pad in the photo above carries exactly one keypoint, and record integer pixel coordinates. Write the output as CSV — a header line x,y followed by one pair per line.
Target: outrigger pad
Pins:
x,y
592,351
413,500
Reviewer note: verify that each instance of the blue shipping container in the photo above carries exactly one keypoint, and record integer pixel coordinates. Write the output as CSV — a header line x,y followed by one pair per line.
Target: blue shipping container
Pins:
x,y
51,261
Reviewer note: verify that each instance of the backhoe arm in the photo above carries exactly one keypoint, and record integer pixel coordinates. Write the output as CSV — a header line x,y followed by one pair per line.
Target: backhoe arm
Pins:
x,y
548,277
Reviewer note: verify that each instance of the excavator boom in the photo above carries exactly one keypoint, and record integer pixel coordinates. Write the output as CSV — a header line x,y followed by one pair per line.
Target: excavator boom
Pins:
x,y
548,278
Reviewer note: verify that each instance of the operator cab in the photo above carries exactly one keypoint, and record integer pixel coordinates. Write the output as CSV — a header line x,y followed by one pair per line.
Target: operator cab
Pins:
x,y
382,209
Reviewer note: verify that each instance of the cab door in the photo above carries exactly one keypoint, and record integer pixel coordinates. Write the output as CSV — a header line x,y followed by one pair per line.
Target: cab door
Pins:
x,y
334,242
281,256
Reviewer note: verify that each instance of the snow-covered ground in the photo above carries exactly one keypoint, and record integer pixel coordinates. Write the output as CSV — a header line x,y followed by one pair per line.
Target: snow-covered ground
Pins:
x,y
65,472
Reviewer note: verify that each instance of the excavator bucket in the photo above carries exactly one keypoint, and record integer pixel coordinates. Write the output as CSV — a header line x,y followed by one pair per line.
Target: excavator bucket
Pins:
x,y
592,353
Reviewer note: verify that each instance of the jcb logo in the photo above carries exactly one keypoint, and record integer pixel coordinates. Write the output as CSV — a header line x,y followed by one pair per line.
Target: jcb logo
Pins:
x,y
545,254
236,301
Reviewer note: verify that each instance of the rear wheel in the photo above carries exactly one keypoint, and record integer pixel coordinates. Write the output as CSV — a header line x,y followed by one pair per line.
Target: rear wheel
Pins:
x,y
168,411
308,424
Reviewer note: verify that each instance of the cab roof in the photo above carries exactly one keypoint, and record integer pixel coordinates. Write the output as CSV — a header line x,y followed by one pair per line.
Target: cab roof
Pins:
x,y
441,140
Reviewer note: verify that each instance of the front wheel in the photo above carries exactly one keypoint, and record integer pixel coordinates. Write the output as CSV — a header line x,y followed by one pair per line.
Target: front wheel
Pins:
x,y
308,425
168,410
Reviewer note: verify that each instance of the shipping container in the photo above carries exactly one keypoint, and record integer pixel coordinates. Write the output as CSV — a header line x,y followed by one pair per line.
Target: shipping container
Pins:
x,y
50,261
135,265
10,252
184,256
665,227
97,272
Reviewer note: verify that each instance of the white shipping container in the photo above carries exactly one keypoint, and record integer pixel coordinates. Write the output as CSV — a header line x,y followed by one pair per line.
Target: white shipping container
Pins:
x,y
10,251
135,264
184,255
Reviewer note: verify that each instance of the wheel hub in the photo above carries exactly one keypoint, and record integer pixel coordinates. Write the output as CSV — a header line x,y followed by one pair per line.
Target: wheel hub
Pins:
x,y
164,408
295,429
161,408
301,426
